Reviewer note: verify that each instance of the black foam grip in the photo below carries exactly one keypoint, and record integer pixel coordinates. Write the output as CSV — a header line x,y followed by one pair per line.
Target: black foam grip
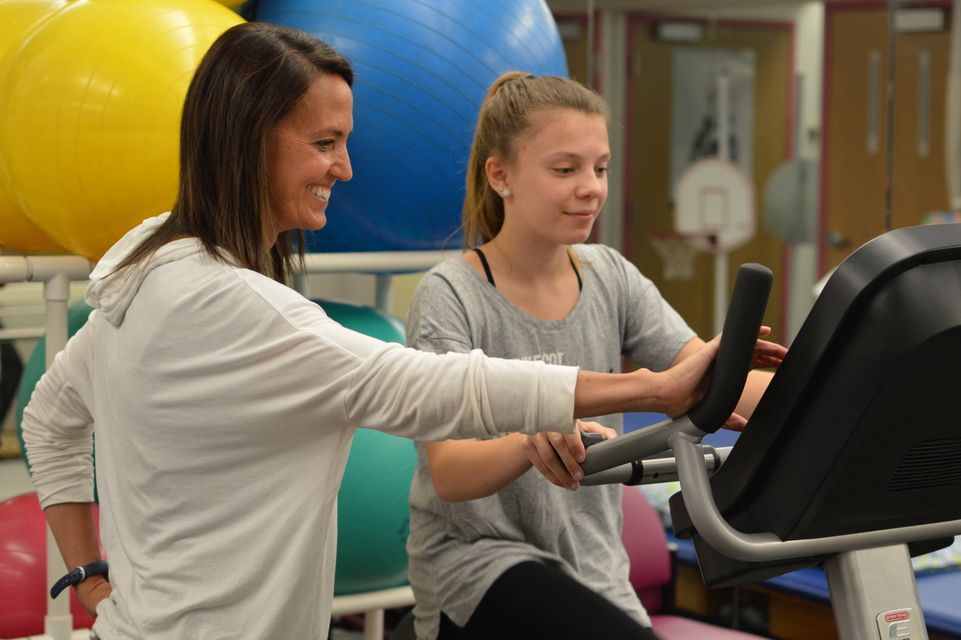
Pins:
x,y
741,325
591,438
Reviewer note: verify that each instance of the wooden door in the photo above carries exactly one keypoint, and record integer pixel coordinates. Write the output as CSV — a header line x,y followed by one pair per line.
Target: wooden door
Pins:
x,y
573,29
648,130
854,152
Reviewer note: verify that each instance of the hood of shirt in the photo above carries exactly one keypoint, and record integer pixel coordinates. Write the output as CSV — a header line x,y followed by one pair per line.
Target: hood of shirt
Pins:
x,y
111,291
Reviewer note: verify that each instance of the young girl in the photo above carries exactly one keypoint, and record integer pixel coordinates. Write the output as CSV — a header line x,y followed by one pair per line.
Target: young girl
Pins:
x,y
496,552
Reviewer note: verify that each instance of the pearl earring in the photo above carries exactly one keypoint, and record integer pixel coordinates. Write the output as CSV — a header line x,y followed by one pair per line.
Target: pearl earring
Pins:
x,y
506,192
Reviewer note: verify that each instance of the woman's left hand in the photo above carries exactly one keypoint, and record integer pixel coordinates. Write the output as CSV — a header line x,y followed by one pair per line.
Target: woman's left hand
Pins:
x,y
91,591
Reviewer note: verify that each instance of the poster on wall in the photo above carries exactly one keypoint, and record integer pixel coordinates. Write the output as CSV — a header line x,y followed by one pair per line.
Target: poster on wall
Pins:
x,y
694,109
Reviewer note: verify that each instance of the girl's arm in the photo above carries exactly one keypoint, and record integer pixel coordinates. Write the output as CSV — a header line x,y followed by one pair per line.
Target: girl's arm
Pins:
x,y
468,469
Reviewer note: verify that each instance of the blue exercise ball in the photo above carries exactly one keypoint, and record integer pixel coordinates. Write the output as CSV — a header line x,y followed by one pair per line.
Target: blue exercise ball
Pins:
x,y
422,68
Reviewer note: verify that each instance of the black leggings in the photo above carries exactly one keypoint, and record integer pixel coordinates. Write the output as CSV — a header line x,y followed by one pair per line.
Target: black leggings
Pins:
x,y
534,600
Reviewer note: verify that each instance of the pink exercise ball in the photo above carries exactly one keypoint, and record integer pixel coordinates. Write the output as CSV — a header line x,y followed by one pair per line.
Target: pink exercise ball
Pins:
x,y
23,570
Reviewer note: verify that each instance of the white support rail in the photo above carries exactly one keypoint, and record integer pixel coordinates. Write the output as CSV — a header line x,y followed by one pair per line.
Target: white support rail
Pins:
x,y
381,263
55,272
375,262
372,604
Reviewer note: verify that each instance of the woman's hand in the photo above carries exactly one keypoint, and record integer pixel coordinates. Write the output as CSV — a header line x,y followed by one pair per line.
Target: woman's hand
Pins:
x,y
91,591
558,456
683,385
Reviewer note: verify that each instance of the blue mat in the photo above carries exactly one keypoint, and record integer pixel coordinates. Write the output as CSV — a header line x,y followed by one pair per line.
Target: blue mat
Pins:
x,y
940,592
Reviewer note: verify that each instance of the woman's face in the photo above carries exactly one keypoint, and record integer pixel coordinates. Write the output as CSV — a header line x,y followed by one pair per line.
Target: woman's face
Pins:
x,y
558,177
307,155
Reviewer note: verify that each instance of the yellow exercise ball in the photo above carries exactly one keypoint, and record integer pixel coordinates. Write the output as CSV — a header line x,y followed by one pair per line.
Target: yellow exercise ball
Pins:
x,y
19,18
233,4
92,102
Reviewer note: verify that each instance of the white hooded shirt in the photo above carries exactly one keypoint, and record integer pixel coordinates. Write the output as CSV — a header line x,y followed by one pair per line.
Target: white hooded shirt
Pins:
x,y
223,405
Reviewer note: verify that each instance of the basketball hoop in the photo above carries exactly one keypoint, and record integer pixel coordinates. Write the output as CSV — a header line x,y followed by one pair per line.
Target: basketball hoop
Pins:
x,y
677,255
714,205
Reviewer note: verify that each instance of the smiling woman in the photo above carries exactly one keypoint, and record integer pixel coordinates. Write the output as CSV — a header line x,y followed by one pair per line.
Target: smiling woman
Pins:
x,y
295,107
307,154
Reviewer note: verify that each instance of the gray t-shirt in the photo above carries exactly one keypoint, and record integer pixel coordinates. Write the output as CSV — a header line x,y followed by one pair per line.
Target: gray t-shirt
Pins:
x,y
457,550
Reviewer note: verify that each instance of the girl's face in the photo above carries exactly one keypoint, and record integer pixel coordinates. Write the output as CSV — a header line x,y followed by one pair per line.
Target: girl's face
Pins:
x,y
558,177
307,154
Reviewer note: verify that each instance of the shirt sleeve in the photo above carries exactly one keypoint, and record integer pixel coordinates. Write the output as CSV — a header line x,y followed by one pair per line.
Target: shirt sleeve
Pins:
x,y
437,320
58,429
654,332
438,323
413,393
431,396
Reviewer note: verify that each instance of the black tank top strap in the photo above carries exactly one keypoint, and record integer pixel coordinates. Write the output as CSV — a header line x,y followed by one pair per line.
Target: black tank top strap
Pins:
x,y
490,276
487,267
580,283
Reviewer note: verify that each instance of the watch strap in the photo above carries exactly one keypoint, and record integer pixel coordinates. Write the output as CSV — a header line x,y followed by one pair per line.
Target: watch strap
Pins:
x,y
78,575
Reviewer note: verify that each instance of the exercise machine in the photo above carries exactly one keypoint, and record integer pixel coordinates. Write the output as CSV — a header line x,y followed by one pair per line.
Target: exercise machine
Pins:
x,y
852,459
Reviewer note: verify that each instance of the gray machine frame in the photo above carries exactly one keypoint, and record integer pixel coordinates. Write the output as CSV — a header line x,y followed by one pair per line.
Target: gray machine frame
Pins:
x,y
871,580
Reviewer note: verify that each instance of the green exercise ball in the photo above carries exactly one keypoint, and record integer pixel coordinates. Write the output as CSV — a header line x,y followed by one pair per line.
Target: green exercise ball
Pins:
x,y
372,515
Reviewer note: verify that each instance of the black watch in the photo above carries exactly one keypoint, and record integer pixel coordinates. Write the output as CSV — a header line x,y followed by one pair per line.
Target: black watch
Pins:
x,y
78,575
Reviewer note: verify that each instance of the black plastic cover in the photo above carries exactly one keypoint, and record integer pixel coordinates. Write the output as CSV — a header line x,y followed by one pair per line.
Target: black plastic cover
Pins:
x,y
860,428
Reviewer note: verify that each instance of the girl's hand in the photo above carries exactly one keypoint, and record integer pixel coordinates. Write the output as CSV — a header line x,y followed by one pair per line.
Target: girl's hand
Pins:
x,y
767,355
557,456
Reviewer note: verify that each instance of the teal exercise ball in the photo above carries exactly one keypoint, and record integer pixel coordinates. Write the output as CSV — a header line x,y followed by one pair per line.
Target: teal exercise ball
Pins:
x,y
372,514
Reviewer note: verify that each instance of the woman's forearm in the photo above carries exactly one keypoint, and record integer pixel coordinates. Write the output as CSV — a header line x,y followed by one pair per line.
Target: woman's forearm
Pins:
x,y
599,394
672,391
72,524
73,528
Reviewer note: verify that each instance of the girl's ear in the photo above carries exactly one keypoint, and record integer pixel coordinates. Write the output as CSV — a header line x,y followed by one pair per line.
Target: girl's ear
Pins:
x,y
496,170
